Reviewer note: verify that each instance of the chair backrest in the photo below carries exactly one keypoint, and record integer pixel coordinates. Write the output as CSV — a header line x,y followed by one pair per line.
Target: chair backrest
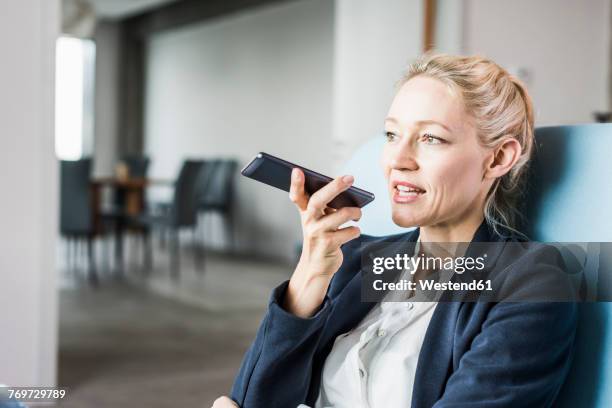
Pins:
x,y
186,194
137,168
365,166
569,200
137,165
10,403
76,216
218,188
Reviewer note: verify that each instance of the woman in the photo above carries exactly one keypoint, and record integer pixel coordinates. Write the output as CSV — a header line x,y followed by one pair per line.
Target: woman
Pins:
x,y
459,137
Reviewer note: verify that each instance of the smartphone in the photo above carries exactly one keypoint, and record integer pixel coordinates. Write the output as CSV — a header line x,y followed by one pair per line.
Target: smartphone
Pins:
x,y
277,173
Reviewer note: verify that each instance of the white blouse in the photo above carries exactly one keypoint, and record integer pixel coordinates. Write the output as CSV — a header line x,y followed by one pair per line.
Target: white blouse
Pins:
x,y
374,365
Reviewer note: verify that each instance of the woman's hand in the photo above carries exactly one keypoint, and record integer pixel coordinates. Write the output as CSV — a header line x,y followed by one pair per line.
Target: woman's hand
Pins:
x,y
224,402
321,254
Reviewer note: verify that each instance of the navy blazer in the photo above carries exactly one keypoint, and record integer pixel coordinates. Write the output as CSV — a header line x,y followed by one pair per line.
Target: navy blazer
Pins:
x,y
478,354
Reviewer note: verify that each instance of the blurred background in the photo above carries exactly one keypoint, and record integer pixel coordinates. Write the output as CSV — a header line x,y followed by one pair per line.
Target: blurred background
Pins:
x,y
136,262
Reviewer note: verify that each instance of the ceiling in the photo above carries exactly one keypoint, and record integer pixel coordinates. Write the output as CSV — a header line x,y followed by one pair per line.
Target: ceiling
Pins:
x,y
115,9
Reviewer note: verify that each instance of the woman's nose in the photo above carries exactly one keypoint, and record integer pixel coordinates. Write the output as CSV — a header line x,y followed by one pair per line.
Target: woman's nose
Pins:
x,y
404,156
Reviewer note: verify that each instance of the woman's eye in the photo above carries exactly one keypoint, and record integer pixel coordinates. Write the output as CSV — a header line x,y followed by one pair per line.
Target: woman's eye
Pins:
x,y
390,136
431,139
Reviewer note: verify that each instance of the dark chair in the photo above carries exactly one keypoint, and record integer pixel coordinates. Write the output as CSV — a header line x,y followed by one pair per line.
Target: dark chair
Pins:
x,y
137,165
113,215
181,213
218,193
76,210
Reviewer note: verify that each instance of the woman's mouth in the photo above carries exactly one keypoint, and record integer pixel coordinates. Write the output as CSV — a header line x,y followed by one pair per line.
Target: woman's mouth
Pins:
x,y
404,193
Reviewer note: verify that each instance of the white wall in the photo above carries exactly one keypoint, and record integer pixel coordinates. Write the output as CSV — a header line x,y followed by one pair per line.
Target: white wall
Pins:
x,y
374,43
106,118
562,44
29,178
258,81
449,33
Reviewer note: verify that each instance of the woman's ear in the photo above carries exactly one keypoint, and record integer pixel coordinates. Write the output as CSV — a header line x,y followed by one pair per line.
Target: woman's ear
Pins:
x,y
503,158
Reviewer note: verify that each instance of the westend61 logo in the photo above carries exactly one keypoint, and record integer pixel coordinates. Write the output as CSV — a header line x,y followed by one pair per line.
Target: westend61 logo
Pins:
x,y
501,271
422,262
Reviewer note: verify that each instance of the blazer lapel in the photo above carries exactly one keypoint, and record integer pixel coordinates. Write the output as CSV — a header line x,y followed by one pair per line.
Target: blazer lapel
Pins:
x,y
435,358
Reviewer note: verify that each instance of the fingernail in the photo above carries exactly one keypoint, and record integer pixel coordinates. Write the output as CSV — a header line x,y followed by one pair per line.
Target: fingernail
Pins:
x,y
348,179
295,174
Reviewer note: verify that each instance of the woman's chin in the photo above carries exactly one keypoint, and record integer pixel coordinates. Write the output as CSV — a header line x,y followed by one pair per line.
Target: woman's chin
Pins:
x,y
401,219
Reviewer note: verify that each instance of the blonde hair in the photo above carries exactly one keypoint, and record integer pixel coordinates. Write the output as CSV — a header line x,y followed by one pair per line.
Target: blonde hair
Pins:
x,y
500,106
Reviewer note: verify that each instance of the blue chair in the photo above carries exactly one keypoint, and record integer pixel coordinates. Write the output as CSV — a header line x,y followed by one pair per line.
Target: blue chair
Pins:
x,y
11,404
569,200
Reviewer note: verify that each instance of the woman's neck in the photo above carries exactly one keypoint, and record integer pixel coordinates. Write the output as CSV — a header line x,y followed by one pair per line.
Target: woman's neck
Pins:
x,y
452,232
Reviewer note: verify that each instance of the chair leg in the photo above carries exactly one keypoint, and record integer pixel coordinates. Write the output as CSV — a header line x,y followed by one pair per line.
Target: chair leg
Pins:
x,y
107,253
92,274
82,253
174,254
148,251
68,258
119,249
200,251
78,248
74,244
228,218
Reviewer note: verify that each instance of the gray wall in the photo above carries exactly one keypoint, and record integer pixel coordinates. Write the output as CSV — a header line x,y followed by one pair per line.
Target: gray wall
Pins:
x,y
259,81
106,122
563,45
29,179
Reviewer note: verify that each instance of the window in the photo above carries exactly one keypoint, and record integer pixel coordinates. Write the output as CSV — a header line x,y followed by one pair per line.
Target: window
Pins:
x,y
74,105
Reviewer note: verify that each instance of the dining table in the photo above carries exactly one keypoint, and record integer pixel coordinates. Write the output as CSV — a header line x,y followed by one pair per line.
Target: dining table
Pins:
x,y
132,203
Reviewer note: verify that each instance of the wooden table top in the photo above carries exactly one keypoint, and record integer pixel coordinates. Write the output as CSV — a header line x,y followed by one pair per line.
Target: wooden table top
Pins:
x,y
130,182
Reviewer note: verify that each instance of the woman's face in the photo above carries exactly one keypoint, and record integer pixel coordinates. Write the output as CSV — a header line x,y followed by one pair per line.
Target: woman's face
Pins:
x,y
432,160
